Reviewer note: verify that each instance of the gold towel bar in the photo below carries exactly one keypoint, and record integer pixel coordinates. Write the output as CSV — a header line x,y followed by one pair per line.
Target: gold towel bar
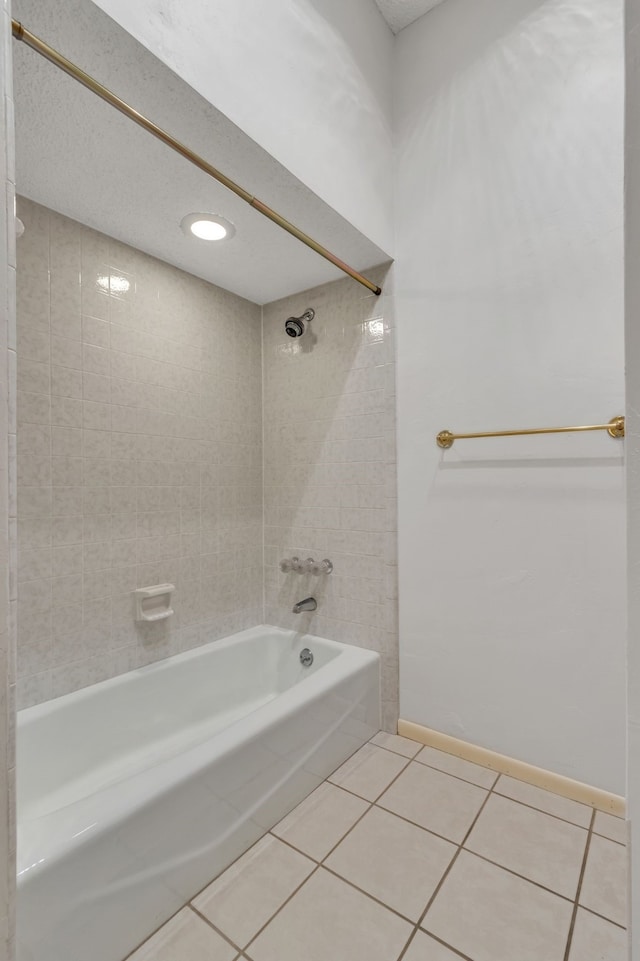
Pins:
x,y
615,428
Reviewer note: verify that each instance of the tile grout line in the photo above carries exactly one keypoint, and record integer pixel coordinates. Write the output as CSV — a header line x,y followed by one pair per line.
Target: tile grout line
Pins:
x,y
442,837
475,854
498,775
603,917
574,913
404,917
532,807
280,909
523,877
189,903
154,932
621,844
320,864
445,876
372,897
199,914
453,861
372,804
432,767
418,930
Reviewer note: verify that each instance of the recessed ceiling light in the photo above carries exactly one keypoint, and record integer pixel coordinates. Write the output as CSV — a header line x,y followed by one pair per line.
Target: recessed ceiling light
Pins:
x,y
207,227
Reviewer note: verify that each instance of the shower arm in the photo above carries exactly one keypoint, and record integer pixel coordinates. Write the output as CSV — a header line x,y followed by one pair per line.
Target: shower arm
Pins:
x,y
56,58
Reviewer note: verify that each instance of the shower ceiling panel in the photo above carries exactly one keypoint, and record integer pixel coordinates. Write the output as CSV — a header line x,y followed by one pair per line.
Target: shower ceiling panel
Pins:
x,y
78,156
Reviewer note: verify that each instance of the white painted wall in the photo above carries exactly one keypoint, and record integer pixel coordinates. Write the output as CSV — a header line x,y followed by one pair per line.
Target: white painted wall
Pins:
x,y
309,80
632,278
509,274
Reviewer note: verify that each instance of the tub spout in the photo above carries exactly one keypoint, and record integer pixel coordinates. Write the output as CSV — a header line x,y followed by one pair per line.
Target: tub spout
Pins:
x,y
308,604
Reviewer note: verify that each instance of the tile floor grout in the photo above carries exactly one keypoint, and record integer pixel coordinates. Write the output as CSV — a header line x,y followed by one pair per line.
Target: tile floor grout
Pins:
x,y
493,788
280,909
602,917
416,926
440,885
500,774
190,906
576,902
442,837
320,864
509,798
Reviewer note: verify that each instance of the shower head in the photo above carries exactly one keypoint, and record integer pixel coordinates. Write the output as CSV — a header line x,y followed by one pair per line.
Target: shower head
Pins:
x,y
296,326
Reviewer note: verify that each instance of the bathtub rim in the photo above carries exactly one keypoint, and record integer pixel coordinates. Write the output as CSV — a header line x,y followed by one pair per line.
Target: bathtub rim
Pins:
x,y
37,711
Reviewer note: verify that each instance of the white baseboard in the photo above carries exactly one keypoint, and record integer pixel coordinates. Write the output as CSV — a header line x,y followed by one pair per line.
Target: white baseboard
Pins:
x,y
557,783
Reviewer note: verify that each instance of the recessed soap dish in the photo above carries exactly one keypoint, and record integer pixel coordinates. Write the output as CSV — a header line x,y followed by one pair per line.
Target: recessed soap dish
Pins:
x,y
154,603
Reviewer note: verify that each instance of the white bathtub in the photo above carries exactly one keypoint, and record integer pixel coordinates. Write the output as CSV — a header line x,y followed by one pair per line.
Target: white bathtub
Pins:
x,y
136,792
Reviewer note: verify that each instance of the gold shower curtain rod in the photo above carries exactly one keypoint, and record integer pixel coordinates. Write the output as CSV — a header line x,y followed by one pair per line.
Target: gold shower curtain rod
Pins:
x,y
49,53
615,428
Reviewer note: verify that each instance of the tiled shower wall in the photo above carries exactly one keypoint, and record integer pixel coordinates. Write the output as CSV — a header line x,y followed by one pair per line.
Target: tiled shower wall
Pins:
x,y
139,456
140,415
330,469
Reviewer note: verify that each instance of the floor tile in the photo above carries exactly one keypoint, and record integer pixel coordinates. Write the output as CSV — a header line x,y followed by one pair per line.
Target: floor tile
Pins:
x,y
394,861
611,827
319,822
595,939
481,776
328,920
531,843
604,886
491,915
369,771
436,801
424,948
545,801
243,899
187,937
393,742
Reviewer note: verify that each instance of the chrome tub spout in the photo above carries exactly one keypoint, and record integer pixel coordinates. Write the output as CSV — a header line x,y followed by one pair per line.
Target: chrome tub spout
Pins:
x,y
308,604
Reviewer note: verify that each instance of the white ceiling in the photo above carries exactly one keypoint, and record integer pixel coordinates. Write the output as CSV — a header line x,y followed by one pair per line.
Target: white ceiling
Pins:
x,y
80,157
400,13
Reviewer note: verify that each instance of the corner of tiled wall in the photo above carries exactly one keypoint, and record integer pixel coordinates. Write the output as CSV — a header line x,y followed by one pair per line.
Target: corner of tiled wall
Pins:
x,y
7,504
330,468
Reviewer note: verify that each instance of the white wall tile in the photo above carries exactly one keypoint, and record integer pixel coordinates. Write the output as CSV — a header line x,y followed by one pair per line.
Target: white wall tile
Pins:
x,y
112,428
329,471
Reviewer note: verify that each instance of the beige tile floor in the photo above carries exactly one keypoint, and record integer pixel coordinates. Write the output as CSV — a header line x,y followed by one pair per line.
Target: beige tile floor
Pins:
x,y
409,854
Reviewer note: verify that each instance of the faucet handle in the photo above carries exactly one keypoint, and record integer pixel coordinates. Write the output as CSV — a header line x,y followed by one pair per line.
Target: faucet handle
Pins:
x,y
305,567
291,564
